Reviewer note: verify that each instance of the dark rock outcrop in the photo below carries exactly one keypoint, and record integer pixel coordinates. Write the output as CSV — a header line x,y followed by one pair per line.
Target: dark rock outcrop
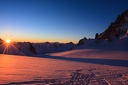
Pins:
x,y
1,41
32,49
82,41
114,28
70,43
96,36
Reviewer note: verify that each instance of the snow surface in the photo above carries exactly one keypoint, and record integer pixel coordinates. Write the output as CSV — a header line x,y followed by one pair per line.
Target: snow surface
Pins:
x,y
115,44
76,67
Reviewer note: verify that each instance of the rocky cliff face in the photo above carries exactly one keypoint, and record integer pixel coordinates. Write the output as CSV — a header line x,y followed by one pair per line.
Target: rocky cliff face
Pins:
x,y
115,28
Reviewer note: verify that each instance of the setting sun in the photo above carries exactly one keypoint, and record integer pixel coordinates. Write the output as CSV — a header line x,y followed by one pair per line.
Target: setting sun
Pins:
x,y
8,40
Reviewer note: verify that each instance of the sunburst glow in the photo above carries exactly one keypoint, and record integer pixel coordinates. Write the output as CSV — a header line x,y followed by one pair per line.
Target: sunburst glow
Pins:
x,y
8,41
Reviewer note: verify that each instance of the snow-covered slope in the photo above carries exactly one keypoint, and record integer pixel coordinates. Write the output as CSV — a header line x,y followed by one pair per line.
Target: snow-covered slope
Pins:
x,y
93,53
115,44
27,48
76,67
115,37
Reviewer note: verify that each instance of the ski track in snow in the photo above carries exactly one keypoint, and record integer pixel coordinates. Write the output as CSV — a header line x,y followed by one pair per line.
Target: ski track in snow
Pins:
x,y
92,76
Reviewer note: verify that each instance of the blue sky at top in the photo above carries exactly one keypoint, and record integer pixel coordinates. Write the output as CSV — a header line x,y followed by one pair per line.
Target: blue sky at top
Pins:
x,y
57,20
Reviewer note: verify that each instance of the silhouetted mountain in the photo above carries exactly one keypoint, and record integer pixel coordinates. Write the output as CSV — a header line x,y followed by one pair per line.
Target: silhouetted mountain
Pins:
x,y
96,36
32,49
82,41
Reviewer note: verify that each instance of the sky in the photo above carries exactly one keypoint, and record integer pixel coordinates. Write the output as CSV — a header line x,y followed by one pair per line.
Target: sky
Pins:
x,y
57,20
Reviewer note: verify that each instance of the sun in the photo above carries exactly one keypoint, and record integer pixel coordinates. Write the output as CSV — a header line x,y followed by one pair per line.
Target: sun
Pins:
x,y
8,41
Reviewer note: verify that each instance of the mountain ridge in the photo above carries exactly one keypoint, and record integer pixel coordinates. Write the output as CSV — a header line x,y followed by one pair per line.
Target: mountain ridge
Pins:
x,y
115,37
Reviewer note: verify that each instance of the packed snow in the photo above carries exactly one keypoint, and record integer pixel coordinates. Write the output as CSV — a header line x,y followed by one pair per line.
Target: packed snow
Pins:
x,y
75,67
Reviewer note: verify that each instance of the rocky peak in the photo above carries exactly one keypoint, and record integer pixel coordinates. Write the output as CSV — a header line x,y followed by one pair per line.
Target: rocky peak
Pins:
x,y
82,41
115,27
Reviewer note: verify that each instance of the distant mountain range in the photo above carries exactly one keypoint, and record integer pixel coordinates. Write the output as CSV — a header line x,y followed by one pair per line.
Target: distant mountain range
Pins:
x,y
28,48
115,37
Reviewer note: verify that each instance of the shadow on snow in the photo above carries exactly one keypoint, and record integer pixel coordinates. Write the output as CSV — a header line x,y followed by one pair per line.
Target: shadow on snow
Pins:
x,y
112,62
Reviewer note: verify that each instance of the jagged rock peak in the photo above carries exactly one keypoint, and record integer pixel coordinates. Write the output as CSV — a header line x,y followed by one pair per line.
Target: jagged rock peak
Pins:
x,y
115,27
82,41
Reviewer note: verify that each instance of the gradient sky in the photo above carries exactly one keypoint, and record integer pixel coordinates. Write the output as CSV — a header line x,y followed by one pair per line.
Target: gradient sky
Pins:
x,y
57,20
